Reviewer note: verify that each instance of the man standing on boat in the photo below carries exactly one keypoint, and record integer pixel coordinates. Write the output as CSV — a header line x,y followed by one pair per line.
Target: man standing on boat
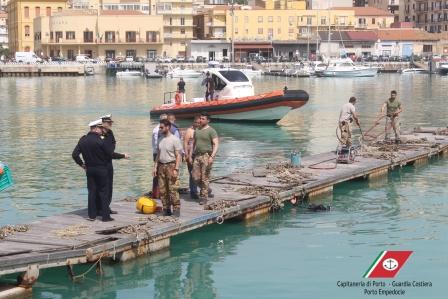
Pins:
x,y
392,109
346,117
166,167
110,141
96,155
209,87
205,148
181,88
188,147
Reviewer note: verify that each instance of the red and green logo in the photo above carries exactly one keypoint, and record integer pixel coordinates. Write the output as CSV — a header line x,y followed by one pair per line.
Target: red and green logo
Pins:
x,y
387,264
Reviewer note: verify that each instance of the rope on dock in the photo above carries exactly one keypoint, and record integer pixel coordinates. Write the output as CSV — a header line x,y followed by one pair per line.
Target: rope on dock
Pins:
x,y
9,230
97,264
72,231
285,173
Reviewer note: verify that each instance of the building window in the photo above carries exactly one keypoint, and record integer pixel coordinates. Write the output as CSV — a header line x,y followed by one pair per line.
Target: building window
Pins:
x,y
373,21
37,10
48,11
131,36
109,37
260,30
427,48
37,36
151,36
27,30
309,20
323,21
88,36
260,19
182,31
182,21
131,53
26,12
51,35
58,36
70,54
110,54
70,35
59,9
270,19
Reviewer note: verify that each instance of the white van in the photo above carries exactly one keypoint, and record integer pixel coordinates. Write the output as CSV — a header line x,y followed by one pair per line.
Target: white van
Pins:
x,y
83,58
27,57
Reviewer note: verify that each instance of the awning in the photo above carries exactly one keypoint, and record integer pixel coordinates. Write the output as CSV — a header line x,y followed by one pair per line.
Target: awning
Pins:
x,y
253,46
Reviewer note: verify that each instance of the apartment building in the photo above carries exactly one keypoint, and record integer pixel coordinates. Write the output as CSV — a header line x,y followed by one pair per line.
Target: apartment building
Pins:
x,y
371,17
99,33
429,15
21,14
390,5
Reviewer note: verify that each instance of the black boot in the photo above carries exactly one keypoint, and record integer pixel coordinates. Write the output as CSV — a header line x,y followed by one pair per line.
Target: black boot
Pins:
x,y
167,212
176,212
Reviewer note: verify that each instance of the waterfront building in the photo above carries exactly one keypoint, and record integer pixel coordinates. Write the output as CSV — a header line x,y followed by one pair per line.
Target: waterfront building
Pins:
x,y
104,34
325,4
393,6
431,16
371,17
349,43
405,42
218,49
3,29
20,20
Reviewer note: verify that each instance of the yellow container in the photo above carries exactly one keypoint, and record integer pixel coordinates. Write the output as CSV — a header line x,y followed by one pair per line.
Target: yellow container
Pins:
x,y
146,205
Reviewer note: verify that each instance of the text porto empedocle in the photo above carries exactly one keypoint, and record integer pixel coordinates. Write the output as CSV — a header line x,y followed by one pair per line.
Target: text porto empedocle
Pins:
x,y
384,288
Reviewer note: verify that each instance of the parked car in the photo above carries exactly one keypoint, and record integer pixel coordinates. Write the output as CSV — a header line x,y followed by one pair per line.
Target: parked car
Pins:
x,y
191,59
58,59
180,59
201,59
129,59
83,58
167,60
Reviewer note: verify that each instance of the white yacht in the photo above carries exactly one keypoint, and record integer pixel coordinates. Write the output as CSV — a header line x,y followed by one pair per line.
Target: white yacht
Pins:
x,y
413,71
346,68
250,71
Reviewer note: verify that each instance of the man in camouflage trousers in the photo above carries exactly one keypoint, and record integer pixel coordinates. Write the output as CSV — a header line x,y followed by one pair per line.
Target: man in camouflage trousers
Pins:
x,y
205,149
166,167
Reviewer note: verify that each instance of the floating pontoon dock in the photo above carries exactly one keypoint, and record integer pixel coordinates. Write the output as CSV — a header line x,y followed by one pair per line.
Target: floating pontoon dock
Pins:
x,y
69,239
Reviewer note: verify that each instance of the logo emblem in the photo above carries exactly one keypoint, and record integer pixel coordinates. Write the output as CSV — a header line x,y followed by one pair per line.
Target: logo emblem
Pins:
x,y
390,264
387,264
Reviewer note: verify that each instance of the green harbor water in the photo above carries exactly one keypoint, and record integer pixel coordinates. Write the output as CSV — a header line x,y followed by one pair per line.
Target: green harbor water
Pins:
x,y
291,254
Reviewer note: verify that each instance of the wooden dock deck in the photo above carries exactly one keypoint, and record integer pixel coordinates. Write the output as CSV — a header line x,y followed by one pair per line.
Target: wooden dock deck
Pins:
x,y
40,70
69,239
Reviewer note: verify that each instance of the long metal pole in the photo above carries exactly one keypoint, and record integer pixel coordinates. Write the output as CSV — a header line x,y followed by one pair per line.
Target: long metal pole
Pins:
x,y
232,60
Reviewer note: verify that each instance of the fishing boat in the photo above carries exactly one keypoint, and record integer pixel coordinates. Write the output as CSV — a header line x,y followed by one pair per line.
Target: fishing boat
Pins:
x,y
234,100
183,73
443,68
128,73
346,68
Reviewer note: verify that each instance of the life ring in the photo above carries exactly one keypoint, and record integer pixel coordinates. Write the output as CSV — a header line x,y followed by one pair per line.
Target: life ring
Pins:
x,y
178,98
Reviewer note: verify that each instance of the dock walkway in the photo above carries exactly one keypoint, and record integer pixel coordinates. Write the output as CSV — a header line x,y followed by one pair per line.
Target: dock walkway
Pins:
x,y
69,239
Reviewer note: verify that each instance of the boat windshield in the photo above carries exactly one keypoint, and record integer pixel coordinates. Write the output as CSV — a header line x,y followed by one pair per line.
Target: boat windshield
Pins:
x,y
234,76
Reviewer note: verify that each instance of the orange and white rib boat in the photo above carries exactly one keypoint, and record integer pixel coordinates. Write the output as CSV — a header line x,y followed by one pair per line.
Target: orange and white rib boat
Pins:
x,y
234,100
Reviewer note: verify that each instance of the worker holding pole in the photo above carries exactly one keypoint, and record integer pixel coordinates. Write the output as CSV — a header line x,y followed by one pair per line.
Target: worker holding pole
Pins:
x,y
346,117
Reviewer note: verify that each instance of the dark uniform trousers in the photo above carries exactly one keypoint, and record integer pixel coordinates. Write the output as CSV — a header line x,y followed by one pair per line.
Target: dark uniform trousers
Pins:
x,y
97,185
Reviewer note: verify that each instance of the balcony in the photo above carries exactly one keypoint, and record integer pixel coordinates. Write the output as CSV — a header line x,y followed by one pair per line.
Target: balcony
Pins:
x,y
178,24
117,41
177,11
178,35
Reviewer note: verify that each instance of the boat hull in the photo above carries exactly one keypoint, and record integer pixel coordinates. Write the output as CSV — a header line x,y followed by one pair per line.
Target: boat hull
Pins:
x,y
443,70
350,73
265,107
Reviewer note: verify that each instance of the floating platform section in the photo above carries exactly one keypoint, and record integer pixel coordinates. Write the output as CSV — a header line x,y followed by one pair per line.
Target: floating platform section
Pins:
x,y
69,239
39,70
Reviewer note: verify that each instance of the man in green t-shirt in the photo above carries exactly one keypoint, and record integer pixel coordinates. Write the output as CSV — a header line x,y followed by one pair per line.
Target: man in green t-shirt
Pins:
x,y
205,147
392,109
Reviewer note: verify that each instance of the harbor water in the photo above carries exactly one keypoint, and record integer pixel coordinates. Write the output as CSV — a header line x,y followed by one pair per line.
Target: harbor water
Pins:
x,y
294,253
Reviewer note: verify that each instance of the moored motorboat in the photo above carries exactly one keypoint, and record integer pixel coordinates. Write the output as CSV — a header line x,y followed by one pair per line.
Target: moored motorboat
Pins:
x,y
443,68
413,71
128,73
183,73
346,68
234,100
250,71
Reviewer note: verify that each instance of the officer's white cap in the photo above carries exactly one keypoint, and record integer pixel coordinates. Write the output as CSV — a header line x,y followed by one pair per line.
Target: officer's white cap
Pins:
x,y
96,123
107,117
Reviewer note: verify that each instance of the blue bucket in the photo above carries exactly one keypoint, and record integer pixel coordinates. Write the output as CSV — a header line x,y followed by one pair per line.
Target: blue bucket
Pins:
x,y
6,178
295,159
